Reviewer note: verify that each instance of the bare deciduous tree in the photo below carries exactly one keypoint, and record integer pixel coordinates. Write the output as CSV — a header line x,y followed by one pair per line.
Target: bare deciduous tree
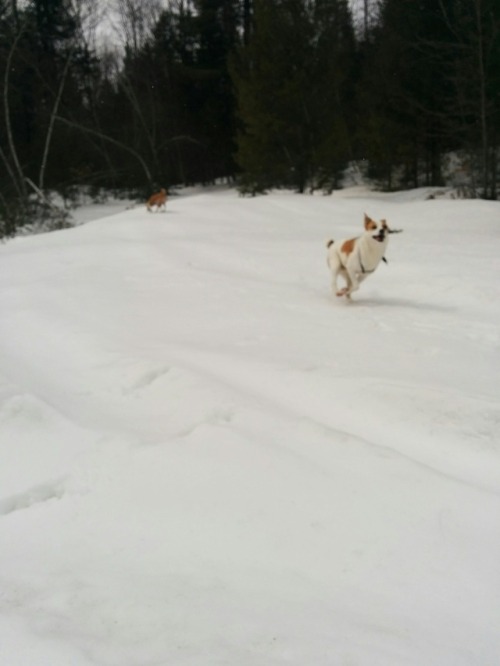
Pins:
x,y
134,21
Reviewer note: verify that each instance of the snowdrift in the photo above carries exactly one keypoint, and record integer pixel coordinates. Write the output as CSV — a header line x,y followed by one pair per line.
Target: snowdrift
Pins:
x,y
208,459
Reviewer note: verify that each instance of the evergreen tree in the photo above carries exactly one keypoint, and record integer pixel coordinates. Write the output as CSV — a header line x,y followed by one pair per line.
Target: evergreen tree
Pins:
x,y
431,85
47,72
293,90
189,62
474,103
402,93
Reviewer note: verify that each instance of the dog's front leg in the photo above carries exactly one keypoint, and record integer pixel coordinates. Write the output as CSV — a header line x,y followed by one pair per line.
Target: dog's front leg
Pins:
x,y
352,279
344,291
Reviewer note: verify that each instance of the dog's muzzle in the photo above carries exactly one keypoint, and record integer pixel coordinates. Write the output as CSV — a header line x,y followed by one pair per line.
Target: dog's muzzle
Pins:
x,y
380,237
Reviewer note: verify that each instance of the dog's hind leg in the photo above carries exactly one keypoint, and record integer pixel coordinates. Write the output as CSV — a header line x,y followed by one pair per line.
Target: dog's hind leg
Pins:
x,y
335,268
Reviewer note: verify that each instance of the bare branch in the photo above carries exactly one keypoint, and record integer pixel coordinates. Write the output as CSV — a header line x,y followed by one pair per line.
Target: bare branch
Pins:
x,y
50,128
8,125
82,128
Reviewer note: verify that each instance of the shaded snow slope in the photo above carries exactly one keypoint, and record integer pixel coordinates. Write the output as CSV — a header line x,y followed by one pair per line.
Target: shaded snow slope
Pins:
x,y
208,459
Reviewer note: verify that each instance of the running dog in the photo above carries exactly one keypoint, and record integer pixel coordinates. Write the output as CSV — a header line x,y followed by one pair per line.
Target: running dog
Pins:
x,y
356,258
159,199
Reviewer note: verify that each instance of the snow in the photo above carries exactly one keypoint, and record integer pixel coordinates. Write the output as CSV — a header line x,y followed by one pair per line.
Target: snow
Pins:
x,y
208,459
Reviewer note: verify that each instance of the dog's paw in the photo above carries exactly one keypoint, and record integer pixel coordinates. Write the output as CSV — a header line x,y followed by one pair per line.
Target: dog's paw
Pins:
x,y
342,292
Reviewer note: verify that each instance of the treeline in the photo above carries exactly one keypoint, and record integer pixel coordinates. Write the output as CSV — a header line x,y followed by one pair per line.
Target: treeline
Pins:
x,y
268,93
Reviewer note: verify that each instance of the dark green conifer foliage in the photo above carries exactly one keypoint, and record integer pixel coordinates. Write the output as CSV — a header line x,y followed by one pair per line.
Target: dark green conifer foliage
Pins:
x,y
182,80
416,82
292,81
431,85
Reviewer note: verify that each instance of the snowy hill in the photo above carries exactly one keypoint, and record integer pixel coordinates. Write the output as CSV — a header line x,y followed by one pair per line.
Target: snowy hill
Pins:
x,y
207,459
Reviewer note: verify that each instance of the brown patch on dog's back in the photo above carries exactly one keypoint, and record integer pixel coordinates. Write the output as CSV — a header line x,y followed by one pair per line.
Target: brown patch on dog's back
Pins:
x,y
348,246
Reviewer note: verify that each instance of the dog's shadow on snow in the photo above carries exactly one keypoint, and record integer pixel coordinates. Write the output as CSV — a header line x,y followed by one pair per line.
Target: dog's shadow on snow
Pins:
x,y
385,302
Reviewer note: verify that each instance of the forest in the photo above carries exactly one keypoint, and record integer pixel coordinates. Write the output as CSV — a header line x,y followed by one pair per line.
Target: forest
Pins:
x,y
260,93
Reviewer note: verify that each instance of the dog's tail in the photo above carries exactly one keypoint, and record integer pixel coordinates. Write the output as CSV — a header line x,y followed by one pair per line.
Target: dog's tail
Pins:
x,y
330,242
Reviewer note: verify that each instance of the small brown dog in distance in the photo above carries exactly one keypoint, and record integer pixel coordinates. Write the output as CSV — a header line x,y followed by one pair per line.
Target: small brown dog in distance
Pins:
x,y
159,199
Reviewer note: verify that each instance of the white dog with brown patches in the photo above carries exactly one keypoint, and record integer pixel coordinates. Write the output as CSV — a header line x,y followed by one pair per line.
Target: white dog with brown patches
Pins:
x,y
356,258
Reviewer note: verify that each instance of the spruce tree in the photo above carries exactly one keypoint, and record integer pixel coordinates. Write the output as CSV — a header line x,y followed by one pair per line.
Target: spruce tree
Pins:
x,y
293,94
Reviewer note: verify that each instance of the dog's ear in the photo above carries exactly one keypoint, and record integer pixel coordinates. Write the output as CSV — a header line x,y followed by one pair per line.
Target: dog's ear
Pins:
x,y
369,223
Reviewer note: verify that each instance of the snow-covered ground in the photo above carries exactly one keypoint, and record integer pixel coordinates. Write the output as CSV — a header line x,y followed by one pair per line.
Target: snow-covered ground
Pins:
x,y
207,460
